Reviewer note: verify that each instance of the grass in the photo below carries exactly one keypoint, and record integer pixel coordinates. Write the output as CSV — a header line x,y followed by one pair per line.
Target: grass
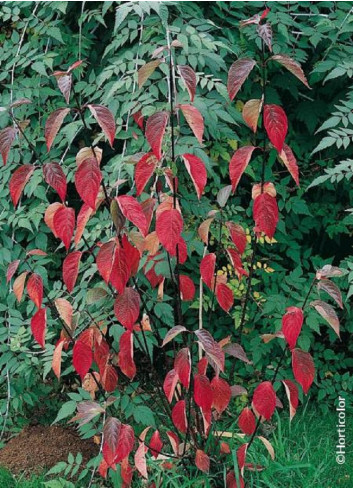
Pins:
x,y
305,457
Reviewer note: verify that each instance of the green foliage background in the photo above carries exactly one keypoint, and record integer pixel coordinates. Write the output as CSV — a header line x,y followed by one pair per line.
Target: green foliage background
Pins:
x,y
115,39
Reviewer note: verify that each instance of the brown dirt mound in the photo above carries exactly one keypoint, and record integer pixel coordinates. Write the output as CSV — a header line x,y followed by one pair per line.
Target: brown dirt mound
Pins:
x,y
40,447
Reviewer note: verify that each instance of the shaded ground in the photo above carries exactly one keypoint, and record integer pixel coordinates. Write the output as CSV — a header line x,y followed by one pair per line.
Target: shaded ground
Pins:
x,y
40,447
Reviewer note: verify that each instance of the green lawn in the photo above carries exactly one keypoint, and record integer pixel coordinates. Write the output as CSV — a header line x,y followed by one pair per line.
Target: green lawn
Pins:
x,y
305,457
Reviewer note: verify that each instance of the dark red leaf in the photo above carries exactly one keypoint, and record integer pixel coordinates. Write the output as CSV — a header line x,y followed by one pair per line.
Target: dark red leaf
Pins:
x,y
64,224
288,158
238,73
127,307
187,288
125,443
88,178
55,177
53,124
212,349
126,355
197,171
292,66
221,394
238,164
35,289
144,170
169,384
194,119
109,378
292,323
331,289
265,212
292,394
224,296
39,326
202,461
169,225
18,182
70,269
105,120
264,399
82,358
237,235
155,129
303,368
276,125
179,416
247,421
11,270
182,366
207,269
133,211
188,76
7,137
155,444
203,394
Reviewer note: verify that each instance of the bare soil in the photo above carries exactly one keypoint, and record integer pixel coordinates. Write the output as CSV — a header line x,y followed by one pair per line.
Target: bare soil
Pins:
x,y
38,448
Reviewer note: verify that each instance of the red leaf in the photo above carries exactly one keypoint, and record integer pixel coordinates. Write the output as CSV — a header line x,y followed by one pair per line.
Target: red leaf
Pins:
x,y
18,285
11,270
105,259
109,378
224,296
87,181
292,394
276,125
247,422
231,480
169,225
251,112
64,224
126,355
241,456
138,118
221,394
133,211
187,288
207,269
288,158
155,129
237,235
203,394
82,358
169,384
35,289
126,472
211,348
155,444
179,416
265,213
127,307
188,76
172,333
18,182
56,362
264,399
120,271
292,66
39,326
197,171
182,366
292,323
194,119
55,177
303,368
105,120
65,310
53,124
174,441
140,460
238,73
238,164
111,433
70,269
202,461
132,255
144,170
7,137
82,218
202,366
125,443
